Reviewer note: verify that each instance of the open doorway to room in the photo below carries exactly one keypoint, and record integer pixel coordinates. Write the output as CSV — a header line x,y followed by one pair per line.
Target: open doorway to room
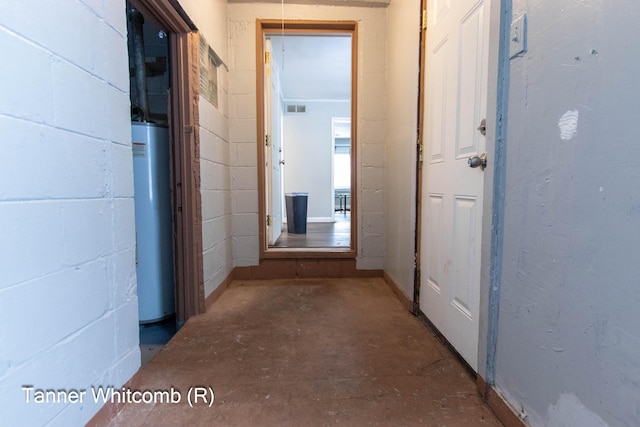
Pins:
x,y
149,92
307,116
163,47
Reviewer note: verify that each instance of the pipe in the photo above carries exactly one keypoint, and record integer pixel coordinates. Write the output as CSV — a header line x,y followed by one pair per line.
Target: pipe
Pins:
x,y
139,65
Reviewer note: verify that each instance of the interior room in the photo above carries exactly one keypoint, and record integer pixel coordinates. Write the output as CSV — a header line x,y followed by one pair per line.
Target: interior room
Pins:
x,y
310,115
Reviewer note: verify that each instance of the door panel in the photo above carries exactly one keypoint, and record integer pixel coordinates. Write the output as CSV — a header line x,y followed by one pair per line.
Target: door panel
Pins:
x,y
277,195
273,151
455,103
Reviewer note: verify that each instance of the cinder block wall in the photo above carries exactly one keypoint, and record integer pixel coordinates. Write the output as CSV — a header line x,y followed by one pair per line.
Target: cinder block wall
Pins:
x,y
403,46
216,189
210,16
372,122
68,307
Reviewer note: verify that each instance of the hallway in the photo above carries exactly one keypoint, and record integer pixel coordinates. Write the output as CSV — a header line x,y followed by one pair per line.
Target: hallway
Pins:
x,y
309,352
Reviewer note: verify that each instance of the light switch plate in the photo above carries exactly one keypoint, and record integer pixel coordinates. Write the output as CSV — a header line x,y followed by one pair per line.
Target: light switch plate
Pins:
x,y
518,36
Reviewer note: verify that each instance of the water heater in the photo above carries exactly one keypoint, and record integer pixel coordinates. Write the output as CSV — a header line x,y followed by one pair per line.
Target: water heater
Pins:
x,y
154,253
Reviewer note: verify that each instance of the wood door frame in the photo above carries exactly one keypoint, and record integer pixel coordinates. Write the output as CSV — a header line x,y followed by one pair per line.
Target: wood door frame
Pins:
x,y
272,26
185,152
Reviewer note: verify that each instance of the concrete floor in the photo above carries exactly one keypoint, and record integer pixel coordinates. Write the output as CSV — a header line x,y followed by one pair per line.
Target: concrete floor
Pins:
x,y
309,352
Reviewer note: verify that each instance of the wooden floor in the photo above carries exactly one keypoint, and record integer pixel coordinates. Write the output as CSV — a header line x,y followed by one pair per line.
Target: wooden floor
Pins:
x,y
320,235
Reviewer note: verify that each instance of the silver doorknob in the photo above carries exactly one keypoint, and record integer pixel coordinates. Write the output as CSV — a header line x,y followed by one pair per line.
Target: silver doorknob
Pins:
x,y
478,161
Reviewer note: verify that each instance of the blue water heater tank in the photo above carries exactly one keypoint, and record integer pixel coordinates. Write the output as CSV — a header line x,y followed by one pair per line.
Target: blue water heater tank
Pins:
x,y
154,254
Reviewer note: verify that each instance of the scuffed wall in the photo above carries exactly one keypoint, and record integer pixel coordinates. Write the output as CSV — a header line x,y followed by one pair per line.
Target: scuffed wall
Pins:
x,y
568,347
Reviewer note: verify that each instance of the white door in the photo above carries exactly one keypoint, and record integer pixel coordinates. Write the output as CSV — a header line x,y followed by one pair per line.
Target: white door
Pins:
x,y
455,105
273,152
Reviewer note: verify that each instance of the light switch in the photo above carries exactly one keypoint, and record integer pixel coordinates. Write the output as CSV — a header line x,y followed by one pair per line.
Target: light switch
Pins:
x,y
518,36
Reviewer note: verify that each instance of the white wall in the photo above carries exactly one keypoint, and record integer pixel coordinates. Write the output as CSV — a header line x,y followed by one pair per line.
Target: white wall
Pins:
x,y
68,306
403,30
215,160
308,154
568,345
210,16
215,151
372,109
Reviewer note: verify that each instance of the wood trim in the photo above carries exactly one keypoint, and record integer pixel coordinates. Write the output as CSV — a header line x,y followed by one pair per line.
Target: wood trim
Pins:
x,y
303,268
305,27
260,131
109,412
354,138
187,199
420,146
499,405
406,302
168,14
294,253
217,293
308,26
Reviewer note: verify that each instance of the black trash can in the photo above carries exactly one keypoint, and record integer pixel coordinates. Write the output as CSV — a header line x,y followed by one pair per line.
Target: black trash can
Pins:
x,y
296,212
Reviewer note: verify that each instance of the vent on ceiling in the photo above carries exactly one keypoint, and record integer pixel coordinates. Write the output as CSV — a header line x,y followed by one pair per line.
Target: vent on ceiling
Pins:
x,y
296,109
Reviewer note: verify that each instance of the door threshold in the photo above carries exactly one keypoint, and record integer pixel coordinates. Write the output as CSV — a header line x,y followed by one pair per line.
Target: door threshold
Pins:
x,y
275,253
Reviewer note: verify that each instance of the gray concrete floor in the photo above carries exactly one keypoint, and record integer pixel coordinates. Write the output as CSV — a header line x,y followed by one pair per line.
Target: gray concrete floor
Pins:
x,y
309,352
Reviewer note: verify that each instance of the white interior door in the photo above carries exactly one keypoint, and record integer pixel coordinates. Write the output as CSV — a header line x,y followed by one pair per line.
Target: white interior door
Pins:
x,y
455,105
273,151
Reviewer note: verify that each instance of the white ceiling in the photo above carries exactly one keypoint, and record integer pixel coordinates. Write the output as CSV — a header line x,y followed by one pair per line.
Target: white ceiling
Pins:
x,y
313,67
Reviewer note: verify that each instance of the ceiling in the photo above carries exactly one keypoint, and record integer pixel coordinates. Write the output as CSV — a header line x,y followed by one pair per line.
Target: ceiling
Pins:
x,y
313,67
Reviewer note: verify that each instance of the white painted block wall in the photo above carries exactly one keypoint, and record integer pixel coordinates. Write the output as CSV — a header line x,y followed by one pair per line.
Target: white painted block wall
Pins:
x,y
372,121
215,189
403,40
68,306
210,16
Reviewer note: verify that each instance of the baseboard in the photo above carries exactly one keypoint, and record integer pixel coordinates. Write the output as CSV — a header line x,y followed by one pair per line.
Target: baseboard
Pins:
x,y
499,405
110,410
317,219
217,292
321,219
406,302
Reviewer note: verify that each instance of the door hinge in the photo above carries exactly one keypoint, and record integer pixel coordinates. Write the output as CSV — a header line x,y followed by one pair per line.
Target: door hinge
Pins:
x,y
267,140
267,57
268,220
420,152
424,19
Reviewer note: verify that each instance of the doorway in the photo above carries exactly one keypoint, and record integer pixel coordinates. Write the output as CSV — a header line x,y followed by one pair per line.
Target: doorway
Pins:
x,y
182,118
308,82
149,88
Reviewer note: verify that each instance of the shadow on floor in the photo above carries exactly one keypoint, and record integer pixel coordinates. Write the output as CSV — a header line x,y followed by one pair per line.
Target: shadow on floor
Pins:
x,y
154,336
